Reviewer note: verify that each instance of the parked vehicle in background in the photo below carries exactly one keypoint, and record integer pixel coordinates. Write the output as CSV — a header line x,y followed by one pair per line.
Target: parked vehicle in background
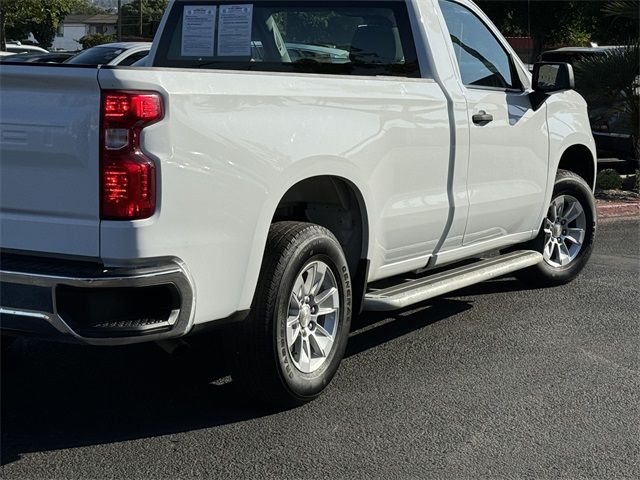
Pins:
x,y
278,197
20,48
611,127
317,53
300,52
55,57
143,62
120,53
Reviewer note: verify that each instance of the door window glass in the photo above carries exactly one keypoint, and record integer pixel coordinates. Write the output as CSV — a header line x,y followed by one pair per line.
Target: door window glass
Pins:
x,y
482,60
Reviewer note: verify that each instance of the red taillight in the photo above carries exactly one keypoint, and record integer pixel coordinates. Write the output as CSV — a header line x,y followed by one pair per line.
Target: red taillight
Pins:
x,y
128,175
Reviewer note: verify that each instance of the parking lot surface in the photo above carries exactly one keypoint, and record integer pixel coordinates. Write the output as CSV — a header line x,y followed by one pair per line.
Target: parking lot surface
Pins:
x,y
495,381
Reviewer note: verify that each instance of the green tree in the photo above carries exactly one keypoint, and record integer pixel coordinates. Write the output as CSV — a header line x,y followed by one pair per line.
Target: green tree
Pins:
x,y
566,22
18,18
152,11
87,8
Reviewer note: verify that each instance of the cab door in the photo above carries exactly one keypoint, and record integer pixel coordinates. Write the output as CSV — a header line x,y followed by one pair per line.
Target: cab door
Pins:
x,y
508,151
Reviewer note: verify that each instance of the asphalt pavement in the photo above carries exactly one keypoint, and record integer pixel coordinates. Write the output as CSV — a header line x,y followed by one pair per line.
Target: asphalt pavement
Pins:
x,y
495,381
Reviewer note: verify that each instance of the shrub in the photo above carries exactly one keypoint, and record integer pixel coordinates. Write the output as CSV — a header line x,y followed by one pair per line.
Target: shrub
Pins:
x,y
636,187
94,39
608,179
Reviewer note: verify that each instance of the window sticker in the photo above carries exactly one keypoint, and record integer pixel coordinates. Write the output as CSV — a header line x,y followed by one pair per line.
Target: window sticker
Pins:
x,y
234,30
198,29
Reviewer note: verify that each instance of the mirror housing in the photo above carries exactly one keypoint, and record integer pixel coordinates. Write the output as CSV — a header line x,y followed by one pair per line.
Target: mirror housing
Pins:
x,y
549,77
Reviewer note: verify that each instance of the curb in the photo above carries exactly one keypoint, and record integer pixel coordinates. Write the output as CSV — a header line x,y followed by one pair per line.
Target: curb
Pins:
x,y
611,209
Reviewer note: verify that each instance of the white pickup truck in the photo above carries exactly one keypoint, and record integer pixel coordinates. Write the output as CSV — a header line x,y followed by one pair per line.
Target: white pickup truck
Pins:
x,y
233,181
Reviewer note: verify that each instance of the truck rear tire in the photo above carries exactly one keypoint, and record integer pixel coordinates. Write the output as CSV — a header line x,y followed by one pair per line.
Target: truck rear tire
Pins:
x,y
567,234
291,345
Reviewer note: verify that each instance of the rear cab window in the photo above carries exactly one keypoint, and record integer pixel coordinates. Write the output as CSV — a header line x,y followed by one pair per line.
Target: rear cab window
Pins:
x,y
329,37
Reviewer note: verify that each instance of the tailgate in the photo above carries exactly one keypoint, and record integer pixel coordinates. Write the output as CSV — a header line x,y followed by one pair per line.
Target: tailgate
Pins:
x,y
49,159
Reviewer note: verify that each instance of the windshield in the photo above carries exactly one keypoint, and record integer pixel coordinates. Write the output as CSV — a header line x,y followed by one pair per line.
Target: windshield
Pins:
x,y
96,56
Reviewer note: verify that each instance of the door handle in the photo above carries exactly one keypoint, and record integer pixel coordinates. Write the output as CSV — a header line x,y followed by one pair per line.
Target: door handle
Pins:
x,y
482,118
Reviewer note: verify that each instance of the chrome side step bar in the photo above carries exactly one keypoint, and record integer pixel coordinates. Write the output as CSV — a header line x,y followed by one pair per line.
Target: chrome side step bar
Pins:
x,y
418,290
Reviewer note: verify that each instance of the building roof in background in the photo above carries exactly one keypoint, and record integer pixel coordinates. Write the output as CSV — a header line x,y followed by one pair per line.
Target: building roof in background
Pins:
x,y
102,19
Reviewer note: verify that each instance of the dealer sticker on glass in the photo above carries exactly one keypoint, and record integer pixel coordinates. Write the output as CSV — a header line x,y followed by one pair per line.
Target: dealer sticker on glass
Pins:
x,y
234,30
198,28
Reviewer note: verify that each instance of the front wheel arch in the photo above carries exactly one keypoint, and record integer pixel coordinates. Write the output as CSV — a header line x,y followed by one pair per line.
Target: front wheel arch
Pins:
x,y
579,160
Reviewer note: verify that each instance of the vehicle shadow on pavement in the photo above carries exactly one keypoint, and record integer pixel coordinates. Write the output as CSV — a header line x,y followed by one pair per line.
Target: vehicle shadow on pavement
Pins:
x,y
57,396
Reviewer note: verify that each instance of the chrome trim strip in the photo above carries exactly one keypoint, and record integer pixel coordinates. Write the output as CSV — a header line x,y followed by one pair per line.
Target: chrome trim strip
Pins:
x,y
23,313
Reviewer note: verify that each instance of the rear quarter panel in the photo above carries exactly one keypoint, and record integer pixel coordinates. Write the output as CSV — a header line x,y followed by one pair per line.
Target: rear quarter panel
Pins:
x,y
233,143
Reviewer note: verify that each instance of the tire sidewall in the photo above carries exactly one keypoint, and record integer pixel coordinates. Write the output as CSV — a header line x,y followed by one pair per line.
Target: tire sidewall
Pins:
x,y
325,249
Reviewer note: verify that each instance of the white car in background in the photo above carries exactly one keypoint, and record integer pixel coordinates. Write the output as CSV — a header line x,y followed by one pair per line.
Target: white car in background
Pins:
x,y
14,48
120,53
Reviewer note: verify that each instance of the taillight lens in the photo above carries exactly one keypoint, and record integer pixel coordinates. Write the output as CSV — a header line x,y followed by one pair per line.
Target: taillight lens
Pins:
x,y
128,176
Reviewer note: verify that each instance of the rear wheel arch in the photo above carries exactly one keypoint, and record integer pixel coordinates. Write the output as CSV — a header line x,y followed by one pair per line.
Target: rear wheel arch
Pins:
x,y
337,204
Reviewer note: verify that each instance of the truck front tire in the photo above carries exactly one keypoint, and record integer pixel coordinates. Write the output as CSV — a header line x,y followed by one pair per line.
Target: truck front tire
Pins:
x,y
567,234
289,348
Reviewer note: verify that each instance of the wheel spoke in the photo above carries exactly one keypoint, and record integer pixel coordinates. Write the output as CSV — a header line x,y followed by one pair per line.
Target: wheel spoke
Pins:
x,y
321,344
563,254
318,280
573,212
328,294
308,281
293,319
319,329
293,332
325,311
305,354
294,303
575,235
559,207
556,253
548,248
298,288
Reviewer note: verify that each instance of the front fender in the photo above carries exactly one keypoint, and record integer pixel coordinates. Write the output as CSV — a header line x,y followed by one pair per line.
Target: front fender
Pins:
x,y
568,125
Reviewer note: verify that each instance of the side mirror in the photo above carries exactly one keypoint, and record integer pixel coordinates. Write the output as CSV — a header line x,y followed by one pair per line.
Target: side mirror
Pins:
x,y
551,77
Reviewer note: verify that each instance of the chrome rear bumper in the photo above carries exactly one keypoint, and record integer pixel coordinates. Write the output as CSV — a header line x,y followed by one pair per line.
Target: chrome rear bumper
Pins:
x,y
92,304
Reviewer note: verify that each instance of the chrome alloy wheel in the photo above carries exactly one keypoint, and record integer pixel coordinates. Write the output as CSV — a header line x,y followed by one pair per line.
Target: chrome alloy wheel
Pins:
x,y
312,319
564,230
